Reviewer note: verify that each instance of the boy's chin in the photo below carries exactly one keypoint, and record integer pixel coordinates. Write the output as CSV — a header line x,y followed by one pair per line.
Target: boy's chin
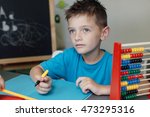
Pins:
x,y
81,51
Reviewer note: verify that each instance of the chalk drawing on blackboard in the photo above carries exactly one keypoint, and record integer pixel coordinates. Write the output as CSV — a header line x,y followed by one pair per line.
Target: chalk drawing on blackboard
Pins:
x,y
18,32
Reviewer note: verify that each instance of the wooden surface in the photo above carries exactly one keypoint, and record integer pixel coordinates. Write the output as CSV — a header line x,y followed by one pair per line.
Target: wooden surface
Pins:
x,y
18,66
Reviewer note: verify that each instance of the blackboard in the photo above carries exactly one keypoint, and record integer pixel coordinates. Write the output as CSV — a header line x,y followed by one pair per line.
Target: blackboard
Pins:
x,y
26,30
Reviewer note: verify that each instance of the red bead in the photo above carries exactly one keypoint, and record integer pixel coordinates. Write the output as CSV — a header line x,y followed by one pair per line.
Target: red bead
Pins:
x,y
140,75
132,76
136,55
122,51
130,50
141,54
121,73
131,56
125,50
129,77
126,72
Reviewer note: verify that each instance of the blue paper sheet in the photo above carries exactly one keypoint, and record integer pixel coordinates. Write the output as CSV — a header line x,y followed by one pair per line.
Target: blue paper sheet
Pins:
x,y
61,89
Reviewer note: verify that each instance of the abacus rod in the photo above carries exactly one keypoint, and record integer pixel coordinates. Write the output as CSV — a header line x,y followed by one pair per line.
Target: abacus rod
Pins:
x,y
146,74
143,94
146,53
140,85
143,89
145,69
141,64
135,44
145,59
146,48
145,64
144,79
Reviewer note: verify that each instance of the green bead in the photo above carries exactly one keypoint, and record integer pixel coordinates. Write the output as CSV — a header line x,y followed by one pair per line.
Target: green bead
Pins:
x,y
123,78
123,93
138,71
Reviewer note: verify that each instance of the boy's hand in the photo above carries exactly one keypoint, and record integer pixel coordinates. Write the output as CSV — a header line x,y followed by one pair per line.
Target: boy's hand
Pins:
x,y
87,84
45,85
2,84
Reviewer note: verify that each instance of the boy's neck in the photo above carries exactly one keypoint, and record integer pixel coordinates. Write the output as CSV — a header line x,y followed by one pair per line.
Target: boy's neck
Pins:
x,y
93,57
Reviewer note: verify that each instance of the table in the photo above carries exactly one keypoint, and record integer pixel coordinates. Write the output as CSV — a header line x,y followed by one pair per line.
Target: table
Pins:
x,y
8,75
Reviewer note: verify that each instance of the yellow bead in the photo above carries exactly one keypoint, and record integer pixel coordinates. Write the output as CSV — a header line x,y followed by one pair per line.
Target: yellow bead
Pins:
x,y
128,56
142,49
133,49
136,50
122,56
129,88
124,83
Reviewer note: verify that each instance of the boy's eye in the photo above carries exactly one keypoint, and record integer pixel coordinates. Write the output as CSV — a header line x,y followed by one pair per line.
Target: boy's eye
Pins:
x,y
86,30
71,31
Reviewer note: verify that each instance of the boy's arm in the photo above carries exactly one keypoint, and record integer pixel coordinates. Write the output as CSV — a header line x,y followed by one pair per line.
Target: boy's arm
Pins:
x,y
2,84
87,84
36,72
44,85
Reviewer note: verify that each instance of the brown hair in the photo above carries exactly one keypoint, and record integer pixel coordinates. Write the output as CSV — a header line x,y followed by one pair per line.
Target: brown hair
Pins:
x,y
90,8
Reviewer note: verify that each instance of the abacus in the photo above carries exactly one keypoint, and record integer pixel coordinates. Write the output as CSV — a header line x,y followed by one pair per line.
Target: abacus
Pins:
x,y
130,77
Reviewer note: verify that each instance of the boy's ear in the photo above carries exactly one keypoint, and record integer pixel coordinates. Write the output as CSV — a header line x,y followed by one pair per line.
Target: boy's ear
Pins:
x,y
105,33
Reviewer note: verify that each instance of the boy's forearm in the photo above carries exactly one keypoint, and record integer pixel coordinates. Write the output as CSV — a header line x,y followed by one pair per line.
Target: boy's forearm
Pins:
x,y
36,73
104,90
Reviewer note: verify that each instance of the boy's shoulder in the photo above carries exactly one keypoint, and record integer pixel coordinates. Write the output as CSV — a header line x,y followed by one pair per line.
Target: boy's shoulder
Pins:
x,y
107,56
107,53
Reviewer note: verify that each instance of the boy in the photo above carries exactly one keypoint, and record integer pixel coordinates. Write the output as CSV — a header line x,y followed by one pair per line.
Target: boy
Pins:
x,y
2,85
85,64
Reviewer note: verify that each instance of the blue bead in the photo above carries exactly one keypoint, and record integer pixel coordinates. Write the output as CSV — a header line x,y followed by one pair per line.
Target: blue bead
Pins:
x,y
123,88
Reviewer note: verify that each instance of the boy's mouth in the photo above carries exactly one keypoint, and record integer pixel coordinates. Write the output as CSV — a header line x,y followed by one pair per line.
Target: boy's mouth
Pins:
x,y
80,45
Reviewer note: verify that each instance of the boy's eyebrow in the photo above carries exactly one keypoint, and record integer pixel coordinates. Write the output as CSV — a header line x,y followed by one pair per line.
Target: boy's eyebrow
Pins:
x,y
87,26
81,26
70,27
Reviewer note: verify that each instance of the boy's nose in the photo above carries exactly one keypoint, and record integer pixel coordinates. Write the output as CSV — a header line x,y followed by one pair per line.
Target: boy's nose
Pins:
x,y
78,36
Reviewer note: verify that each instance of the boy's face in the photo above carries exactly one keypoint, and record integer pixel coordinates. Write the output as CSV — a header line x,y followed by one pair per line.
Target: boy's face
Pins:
x,y
84,33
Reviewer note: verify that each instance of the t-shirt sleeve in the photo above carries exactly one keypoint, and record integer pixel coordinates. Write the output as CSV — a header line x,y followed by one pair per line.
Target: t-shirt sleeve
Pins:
x,y
56,66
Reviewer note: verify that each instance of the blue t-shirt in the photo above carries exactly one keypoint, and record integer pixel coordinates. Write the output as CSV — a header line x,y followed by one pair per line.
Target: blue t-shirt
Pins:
x,y
70,66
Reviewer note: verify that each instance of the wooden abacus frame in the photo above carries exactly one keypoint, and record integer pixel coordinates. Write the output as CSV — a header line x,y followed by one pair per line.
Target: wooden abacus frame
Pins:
x,y
115,91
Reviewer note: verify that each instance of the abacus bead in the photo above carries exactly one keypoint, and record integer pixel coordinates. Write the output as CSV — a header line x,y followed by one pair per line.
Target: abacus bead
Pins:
x,y
124,78
140,76
130,82
142,49
140,60
138,81
123,88
123,93
124,83
129,88
122,51
133,49
129,77
141,55
139,66
138,71
130,50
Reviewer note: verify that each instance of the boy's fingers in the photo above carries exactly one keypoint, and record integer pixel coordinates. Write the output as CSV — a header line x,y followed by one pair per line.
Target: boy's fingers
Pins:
x,y
45,79
85,89
43,89
45,84
42,92
78,81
